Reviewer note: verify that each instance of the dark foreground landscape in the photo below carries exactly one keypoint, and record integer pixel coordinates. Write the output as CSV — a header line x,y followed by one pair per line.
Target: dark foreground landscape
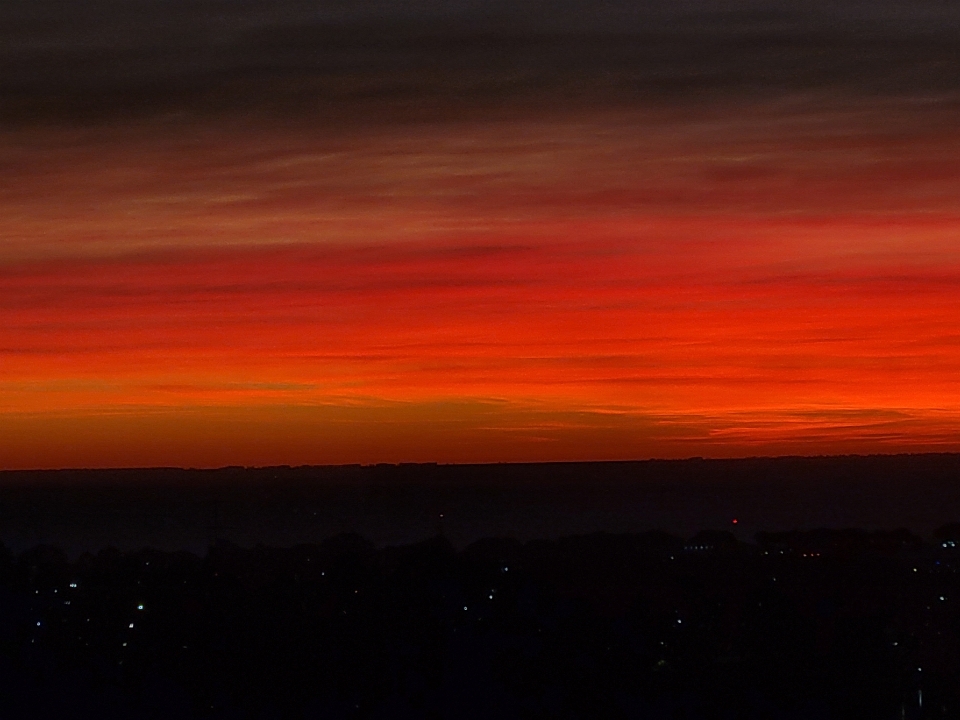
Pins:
x,y
816,620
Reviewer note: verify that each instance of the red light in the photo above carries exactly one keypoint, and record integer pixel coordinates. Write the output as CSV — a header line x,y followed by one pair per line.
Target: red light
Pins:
x,y
734,521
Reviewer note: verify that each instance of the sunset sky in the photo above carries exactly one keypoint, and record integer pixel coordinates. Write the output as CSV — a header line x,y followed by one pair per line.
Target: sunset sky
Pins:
x,y
291,232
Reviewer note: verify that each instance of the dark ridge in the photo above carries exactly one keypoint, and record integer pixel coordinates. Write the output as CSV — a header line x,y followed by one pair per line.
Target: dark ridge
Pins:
x,y
172,509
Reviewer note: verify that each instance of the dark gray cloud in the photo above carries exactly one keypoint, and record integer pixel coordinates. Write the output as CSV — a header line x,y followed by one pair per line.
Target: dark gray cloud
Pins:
x,y
77,57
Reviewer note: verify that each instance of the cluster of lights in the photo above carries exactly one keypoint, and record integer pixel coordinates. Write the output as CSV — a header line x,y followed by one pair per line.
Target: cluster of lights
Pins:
x,y
504,569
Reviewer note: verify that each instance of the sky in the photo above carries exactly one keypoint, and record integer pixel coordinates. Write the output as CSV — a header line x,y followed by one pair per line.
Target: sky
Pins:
x,y
251,233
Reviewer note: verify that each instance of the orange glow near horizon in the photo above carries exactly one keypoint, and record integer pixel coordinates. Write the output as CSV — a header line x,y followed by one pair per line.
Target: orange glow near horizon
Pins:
x,y
616,287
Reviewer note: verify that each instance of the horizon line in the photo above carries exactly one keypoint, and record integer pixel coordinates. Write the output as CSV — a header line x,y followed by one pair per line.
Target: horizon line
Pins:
x,y
427,463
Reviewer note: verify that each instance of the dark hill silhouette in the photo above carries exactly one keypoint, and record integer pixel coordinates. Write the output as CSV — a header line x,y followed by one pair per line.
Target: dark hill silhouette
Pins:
x,y
170,509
